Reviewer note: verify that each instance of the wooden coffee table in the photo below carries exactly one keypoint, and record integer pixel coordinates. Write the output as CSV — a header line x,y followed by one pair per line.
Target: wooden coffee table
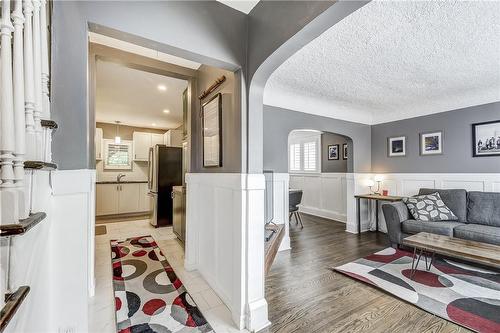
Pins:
x,y
426,243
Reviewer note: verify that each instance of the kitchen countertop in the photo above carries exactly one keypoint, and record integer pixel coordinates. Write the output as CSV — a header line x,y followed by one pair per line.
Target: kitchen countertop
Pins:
x,y
122,182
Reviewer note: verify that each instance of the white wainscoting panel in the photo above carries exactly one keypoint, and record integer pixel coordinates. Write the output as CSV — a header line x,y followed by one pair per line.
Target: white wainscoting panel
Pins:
x,y
323,194
280,206
225,241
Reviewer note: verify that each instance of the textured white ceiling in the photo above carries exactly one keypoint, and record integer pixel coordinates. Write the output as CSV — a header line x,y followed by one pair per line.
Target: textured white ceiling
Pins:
x,y
393,60
241,5
132,97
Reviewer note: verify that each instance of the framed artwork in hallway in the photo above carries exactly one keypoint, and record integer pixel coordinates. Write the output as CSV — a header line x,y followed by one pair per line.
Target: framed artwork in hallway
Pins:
x,y
333,152
431,143
486,139
212,132
344,151
396,146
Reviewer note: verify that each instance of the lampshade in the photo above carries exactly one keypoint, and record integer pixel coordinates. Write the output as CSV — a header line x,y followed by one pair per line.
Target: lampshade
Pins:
x,y
370,182
118,140
378,178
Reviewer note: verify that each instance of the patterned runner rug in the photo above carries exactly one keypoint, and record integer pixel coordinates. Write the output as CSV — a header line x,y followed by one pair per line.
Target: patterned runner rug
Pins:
x,y
466,295
148,295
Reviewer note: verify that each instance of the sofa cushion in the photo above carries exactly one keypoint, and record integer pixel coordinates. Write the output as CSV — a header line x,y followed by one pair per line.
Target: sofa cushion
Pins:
x,y
455,199
429,207
478,233
484,208
440,228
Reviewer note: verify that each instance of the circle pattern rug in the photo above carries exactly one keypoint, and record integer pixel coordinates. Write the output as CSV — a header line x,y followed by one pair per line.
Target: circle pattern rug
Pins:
x,y
149,297
464,294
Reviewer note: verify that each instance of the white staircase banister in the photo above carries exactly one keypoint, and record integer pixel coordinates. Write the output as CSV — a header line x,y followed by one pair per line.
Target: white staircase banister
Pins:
x,y
18,86
37,67
29,85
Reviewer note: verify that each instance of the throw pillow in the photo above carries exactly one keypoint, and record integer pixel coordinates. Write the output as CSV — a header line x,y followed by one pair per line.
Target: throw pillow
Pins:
x,y
429,207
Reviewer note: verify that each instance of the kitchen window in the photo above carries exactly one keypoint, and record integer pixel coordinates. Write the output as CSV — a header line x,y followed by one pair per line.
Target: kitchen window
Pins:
x,y
118,156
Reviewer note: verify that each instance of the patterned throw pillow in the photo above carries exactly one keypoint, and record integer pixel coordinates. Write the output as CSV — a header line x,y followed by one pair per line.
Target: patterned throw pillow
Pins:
x,y
429,207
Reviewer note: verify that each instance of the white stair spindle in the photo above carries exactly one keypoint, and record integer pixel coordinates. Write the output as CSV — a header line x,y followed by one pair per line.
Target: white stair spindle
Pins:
x,y
29,85
37,64
7,144
18,84
45,61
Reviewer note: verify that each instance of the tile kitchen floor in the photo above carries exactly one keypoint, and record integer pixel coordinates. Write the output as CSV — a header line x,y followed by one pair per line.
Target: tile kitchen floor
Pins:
x,y
101,306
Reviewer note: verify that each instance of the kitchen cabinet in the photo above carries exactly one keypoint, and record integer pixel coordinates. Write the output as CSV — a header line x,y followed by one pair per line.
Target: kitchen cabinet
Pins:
x,y
128,198
106,199
156,139
173,138
145,204
142,142
122,198
98,144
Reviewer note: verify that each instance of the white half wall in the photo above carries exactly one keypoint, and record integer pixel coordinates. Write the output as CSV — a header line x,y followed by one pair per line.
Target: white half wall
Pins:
x,y
225,241
324,194
280,205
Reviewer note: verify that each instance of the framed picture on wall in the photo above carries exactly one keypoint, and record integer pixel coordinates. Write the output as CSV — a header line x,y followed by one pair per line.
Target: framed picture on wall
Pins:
x,y
486,139
431,143
211,112
333,152
396,146
344,151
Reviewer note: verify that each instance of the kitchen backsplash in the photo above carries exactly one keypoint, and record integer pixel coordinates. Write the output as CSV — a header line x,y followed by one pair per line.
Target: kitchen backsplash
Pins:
x,y
139,172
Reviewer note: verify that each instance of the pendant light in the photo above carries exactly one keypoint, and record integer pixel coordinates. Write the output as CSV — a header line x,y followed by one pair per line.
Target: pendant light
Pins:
x,y
118,140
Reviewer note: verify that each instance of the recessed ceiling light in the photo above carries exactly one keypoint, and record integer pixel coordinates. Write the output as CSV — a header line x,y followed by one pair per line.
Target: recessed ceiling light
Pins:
x,y
166,111
154,124
162,87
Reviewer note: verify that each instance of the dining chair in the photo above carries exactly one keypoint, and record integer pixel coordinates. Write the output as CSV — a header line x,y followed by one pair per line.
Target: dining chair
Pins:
x,y
294,199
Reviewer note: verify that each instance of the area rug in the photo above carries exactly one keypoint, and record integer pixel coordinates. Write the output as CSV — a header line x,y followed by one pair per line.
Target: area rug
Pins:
x,y
463,294
149,297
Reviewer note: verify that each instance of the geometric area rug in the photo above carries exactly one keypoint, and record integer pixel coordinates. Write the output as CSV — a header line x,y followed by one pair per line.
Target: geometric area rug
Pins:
x,y
149,297
463,294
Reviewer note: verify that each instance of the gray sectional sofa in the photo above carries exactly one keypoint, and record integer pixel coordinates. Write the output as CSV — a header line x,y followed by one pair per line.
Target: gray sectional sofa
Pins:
x,y
478,217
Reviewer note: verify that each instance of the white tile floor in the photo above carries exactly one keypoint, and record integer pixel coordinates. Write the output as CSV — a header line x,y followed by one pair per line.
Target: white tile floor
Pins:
x,y
101,306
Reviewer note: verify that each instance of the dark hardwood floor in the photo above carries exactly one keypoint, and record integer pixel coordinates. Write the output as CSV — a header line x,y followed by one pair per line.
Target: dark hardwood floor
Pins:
x,y
304,295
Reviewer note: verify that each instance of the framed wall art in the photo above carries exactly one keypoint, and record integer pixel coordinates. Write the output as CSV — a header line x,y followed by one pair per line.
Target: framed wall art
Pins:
x,y
396,146
431,143
212,131
333,152
486,139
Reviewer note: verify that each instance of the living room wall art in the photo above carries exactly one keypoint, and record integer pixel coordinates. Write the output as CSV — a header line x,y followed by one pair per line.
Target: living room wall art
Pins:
x,y
431,143
486,139
333,152
396,146
344,151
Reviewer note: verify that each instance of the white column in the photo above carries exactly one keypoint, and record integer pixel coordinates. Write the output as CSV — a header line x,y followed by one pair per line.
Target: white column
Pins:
x,y
37,66
45,61
29,86
7,144
19,121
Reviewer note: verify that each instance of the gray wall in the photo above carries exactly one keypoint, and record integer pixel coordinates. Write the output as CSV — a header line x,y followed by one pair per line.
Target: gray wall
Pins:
x,y
204,31
327,165
278,123
231,122
457,143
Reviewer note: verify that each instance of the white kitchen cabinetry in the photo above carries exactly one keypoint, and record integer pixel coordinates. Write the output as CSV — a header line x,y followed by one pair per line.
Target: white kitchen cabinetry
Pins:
x,y
156,139
98,143
173,138
142,142
128,198
145,204
123,198
106,199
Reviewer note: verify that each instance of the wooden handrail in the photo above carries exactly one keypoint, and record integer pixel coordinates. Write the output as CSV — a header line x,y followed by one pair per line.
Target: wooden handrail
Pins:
x,y
39,165
48,124
12,304
23,226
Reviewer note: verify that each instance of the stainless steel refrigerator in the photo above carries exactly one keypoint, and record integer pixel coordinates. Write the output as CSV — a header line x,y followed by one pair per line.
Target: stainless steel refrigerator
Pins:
x,y
165,172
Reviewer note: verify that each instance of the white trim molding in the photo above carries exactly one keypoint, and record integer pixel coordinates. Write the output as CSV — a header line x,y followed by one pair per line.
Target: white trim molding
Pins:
x,y
225,241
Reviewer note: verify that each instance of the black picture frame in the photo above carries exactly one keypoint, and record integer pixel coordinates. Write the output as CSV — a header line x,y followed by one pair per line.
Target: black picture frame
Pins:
x,y
204,129
477,130
344,151
331,149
